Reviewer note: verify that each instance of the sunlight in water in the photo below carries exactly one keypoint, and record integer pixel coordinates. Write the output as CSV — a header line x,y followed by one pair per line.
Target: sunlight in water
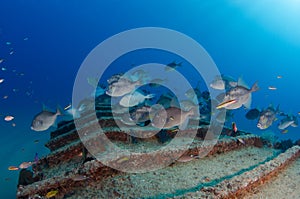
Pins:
x,y
279,16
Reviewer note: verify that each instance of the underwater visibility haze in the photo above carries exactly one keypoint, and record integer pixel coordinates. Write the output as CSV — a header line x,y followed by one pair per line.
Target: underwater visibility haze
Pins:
x,y
43,44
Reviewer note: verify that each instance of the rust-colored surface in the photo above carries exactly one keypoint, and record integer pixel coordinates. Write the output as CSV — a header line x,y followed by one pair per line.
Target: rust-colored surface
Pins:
x,y
95,171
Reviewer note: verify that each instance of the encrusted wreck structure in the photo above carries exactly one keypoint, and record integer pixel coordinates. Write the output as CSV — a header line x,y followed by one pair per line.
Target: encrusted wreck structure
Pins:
x,y
234,165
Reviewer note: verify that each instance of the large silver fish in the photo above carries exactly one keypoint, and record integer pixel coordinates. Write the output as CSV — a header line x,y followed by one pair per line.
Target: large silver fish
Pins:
x,y
223,82
140,114
171,117
267,117
121,87
241,94
44,120
134,99
289,120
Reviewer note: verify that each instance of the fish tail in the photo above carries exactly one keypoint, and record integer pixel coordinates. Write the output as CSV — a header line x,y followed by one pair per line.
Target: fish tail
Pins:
x,y
255,87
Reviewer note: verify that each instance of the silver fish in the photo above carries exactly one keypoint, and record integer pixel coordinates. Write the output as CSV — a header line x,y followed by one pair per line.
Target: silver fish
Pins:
x,y
267,117
217,84
223,82
125,119
79,177
134,99
288,121
172,66
121,87
171,117
141,114
241,94
44,120
114,78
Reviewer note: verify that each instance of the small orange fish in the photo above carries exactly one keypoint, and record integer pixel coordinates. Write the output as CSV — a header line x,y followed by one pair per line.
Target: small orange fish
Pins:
x,y
284,131
13,168
8,118
234,127
227,103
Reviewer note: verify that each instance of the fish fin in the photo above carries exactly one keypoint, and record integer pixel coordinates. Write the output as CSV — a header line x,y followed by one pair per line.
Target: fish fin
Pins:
x,y
149,96
72,114
248,103
254,87
241,82
259,109
232,84
184,124
294,125
59,111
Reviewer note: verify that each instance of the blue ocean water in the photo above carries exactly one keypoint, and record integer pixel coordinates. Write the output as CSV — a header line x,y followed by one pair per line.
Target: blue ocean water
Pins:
x,y
43,44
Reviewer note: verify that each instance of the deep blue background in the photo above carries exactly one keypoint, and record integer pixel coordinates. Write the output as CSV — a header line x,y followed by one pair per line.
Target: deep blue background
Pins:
x,y
242,42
